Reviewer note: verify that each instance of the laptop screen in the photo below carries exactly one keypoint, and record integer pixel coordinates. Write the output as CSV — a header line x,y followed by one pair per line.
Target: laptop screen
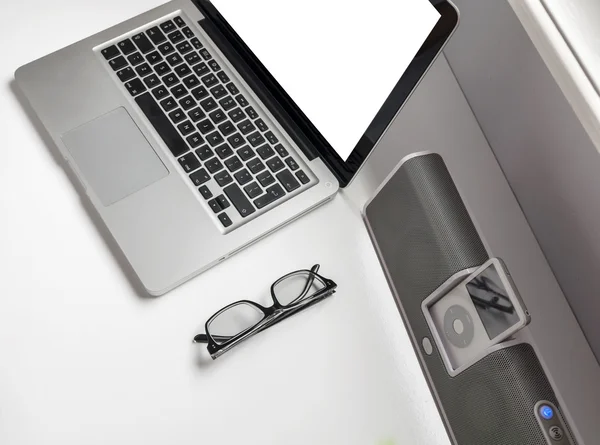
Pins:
x,y
338,60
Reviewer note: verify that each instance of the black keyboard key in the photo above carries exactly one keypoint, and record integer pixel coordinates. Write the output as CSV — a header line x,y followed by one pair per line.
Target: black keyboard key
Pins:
x,y
199,93
215,139
218,116
143,70
302,177
281,150
170,80
288,180
265,178
160,92
199,177
196,114
191,81
166,48
176,37
226,128
265,152
192,58
179,21
196,43
168,104
125,74
214,65
233,89
208,104
219,91
224,78
239,200
236,140
126,46
256,139
243,177
223,178
183,70
174,59
253,190
162,68
168,26
275,164
205,54
271,137
177,116
184,47
204,153
195,140
227,103
237,115
213,165
233,164
178,92
161,124
246,127
135,59
225,220
186,128
154,57
110,52
201,69
135,87
118,63
187,103
223,201
273,194
214,205
205,126
261,125
291,163
189,162
152,81
188,32
252,113
142,42
156,35
210,80
241,100
255,166
246,153
224,151
205,192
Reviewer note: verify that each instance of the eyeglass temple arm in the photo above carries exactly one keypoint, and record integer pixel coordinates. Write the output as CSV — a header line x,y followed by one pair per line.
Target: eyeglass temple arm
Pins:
x,y
203,338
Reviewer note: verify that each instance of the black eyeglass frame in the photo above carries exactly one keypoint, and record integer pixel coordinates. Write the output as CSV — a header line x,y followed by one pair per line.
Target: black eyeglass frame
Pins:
x,y
272,315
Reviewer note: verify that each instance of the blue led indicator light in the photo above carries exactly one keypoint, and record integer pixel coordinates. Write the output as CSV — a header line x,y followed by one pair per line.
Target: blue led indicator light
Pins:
x,y
546,412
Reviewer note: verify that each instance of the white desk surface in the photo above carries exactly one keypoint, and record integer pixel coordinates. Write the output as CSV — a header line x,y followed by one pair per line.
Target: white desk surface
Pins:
x,y
87,360
567,35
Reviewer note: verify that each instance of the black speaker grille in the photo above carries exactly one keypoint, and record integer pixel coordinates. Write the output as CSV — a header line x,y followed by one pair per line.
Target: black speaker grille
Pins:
x,y
425,235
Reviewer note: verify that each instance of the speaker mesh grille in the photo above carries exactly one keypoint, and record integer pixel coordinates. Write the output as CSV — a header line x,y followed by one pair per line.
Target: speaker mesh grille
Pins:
x,y
425,235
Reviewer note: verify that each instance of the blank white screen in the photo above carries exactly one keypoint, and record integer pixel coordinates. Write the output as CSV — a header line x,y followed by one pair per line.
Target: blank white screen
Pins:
x,y
337,59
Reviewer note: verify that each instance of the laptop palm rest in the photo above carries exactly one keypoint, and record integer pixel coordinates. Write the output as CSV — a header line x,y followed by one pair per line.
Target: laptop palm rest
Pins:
x,y
113,156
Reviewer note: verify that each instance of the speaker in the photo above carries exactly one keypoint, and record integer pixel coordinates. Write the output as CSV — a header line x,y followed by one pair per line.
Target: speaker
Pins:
x,y
424,235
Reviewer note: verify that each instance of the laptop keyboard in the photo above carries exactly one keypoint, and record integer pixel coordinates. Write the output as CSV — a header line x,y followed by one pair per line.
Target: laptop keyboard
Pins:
x,y
220,141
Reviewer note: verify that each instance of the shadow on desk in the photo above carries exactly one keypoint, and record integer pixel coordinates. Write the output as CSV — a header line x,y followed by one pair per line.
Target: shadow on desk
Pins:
x,y
109,241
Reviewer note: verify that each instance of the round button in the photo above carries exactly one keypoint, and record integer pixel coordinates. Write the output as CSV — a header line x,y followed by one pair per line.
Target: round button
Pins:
x,y
458,326
555,432
546,412
427,346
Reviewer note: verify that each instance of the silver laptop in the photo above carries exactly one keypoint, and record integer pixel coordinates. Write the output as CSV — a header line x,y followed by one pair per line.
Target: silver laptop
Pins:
x,y
196,132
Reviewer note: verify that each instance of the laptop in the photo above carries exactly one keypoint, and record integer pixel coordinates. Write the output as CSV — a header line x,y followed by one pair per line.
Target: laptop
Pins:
x,y
198,128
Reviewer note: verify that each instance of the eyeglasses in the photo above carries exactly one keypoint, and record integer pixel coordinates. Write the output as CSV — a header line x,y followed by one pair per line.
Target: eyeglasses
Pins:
x,y
243,319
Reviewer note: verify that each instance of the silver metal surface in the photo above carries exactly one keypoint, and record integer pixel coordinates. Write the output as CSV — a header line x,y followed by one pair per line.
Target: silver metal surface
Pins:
x,y
164,229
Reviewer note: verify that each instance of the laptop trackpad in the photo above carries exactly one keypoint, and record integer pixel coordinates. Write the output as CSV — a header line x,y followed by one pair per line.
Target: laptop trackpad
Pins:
x,y
114,157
